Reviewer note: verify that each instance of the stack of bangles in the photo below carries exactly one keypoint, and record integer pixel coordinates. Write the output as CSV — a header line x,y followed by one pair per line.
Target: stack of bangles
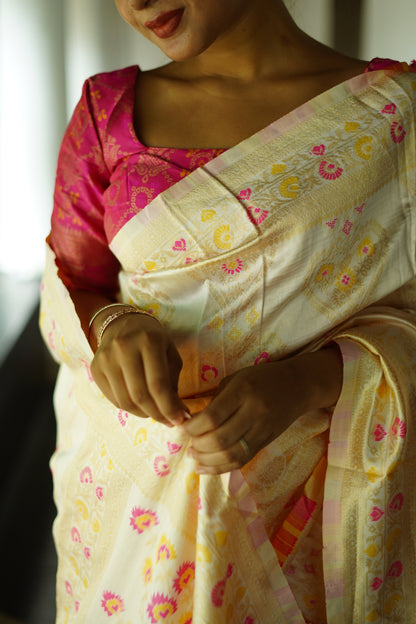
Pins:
x,y
123,308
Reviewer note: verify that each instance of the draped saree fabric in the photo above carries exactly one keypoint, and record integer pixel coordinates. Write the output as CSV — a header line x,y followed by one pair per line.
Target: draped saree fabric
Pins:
x,y
302,234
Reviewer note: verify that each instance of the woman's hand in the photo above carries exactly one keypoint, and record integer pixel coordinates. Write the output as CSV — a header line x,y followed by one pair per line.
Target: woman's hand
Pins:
x,y
256,404
137,368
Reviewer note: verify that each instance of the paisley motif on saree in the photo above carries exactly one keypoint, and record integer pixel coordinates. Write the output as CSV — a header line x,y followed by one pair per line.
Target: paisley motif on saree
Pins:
x,y
302,234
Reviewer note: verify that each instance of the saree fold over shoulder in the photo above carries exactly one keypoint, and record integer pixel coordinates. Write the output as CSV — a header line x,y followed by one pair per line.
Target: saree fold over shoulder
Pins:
x,y
302,234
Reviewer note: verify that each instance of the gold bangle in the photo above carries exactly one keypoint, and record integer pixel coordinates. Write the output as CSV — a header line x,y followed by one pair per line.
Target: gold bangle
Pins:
x,y
127,309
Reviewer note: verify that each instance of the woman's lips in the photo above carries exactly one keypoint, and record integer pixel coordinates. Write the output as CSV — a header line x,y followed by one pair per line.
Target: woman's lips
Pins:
x,y
166,23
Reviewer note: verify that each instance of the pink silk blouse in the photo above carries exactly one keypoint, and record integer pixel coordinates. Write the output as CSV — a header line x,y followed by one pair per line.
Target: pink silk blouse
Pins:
x,y
105,176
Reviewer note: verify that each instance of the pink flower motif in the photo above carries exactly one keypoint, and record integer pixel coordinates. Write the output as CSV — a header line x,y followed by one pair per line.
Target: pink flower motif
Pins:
x,y
232,266
86,475
189,261
87,552
360,208
262,358
257,215
76,606
161,466
389,109
399,428
329,171
112,603
377,582
209,373
180,245
318,150
331,224
379,433
184,576
75,535
122,418
142,519
245,194
376,514
347,227
173,447
217,594
160,607
397,502
396,569
99,492
397,132
68,588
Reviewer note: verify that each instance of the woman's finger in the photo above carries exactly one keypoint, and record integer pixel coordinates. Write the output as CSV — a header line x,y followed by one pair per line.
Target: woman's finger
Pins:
x,y
222,407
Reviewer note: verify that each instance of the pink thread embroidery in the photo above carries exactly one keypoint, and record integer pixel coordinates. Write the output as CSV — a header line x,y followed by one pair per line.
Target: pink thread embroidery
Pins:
x,y
257,215
347,227
87,368
122,418
180,245
160,607
184,576
331,224
99,492
389,109
245,194
173,447
379,433
376,514
232,266
360,208
86,475
209,373
396,569
262,358
75,535
377,582
68,588
399,428
112,603
329,171
397,132
161,467
397,502
77,603
318,150
142,519
87,552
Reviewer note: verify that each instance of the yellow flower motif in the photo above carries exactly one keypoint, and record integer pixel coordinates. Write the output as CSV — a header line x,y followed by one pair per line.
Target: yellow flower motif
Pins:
x,y
82,508
140,437
278,168
351,126
150,266
166,550
366,247
363,147
206,215
216,322
192,481
222,537
324,272
346,280
222,237
372,550
147,571
234,334
186,618
289,187
372,617
372,475
252,316
203,553
102,115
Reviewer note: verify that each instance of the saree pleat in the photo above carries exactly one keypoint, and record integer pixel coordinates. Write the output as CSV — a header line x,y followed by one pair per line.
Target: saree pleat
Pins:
x,y
303,234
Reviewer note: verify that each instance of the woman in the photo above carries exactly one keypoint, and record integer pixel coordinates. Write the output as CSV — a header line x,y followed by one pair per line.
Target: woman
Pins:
x,y
193,238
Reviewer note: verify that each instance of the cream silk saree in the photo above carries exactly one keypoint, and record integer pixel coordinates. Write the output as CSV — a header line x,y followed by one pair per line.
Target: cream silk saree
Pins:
x,y
302,234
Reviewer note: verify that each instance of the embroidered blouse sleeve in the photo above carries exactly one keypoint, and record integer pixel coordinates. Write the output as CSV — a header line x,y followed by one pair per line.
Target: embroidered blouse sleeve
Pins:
x,y
77,235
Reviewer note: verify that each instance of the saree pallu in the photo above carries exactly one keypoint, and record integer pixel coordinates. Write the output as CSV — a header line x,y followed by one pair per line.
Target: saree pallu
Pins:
x,y
302,234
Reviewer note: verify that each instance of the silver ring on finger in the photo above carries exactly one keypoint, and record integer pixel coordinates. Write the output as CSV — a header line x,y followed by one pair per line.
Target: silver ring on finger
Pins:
x,y
244,446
